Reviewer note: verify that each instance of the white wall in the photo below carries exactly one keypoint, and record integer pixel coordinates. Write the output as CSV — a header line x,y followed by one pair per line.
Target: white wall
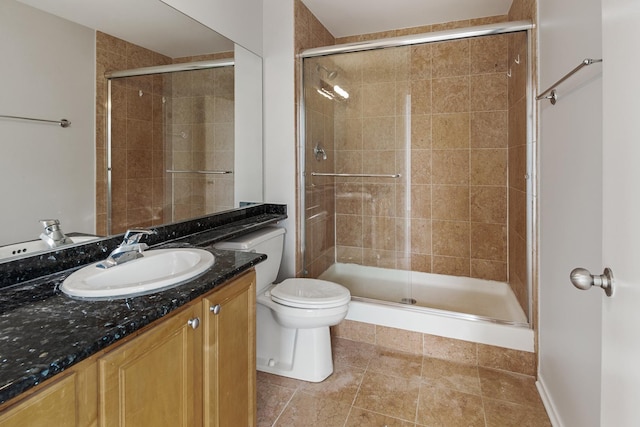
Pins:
x,y
48,71
248,152
279,118
570,142
238,20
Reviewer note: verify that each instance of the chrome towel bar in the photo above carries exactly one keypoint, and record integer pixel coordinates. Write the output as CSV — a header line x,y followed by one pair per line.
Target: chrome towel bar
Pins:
x,y
200,172
551,93
357,175
62,122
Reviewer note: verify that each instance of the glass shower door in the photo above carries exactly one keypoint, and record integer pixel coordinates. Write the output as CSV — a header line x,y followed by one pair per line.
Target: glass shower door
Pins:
x,y
358,173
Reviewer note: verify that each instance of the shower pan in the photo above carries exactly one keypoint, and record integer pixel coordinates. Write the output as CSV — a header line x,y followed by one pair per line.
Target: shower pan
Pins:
x,y
422,196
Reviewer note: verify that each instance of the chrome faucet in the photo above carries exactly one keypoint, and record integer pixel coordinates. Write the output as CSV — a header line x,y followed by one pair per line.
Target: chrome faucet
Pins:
x,y
53,235
129,249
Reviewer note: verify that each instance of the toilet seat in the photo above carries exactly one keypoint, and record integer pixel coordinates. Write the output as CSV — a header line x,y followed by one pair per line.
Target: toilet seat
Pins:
x,y
310,293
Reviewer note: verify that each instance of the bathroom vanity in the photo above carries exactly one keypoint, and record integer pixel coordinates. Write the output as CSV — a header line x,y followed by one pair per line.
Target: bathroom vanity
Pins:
x,y
184,356
195,366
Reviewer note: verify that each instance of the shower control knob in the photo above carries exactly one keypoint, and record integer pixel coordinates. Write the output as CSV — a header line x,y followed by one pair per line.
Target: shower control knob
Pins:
x,y
583,279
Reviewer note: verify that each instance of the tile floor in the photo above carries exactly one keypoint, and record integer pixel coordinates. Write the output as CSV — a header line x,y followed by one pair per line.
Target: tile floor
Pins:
x,y
377,386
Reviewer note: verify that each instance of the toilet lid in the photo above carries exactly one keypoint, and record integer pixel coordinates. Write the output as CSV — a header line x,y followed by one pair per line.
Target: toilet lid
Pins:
x,y
310,293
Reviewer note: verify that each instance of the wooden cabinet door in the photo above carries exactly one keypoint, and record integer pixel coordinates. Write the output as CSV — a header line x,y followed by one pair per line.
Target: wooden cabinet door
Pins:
x,y
229,355
154,379
54,405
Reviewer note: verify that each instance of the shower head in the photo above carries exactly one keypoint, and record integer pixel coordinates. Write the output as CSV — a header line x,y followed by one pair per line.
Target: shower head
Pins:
x,y
330,74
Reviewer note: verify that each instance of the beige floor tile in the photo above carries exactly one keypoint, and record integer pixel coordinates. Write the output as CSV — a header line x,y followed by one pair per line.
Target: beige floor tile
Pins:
x,y
453,375
388,395
342,385
309,410
361,418
399,364
271,401
515,388
353,353
442,407
505,414
278,380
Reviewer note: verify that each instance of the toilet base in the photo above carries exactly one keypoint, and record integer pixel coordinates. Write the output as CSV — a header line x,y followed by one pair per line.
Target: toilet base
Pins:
x,y
303,354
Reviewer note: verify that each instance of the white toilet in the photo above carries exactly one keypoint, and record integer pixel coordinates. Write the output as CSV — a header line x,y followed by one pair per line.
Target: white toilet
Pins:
x,y
293,317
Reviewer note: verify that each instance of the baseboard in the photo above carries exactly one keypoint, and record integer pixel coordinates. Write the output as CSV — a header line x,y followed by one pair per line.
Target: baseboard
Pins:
x,y
548,403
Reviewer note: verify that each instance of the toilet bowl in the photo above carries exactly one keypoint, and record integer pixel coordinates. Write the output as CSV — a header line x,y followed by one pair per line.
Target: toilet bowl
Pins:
x,y
292,317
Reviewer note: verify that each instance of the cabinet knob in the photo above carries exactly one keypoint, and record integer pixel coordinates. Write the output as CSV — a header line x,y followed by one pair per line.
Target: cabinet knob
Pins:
x,y
215,309
194,323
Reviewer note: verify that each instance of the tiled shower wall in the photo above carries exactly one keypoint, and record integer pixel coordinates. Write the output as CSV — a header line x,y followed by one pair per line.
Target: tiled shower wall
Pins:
x,y
467,161
519,202
144,146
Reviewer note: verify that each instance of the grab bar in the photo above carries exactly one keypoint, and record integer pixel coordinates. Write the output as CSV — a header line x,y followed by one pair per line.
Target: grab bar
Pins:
x,y
201,172
553,95
357,175
62,122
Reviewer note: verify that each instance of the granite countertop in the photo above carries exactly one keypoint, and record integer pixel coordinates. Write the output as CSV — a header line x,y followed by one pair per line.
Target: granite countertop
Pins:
x,y
43,331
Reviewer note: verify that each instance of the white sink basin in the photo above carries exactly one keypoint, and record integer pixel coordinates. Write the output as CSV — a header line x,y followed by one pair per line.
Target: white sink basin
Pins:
x,y
27,248
157,270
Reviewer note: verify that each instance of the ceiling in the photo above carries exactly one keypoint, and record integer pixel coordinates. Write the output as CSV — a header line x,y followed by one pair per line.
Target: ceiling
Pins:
x,y
147,23
350,17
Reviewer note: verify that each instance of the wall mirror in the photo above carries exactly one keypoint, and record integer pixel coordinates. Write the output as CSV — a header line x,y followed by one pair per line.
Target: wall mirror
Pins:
x,y
168,130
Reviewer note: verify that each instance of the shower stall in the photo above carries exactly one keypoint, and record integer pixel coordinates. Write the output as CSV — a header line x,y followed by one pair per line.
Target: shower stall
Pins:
x,y
416,163
170,143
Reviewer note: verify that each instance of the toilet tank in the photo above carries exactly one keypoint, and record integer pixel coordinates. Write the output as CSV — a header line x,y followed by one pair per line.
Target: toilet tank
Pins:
x,y
267,240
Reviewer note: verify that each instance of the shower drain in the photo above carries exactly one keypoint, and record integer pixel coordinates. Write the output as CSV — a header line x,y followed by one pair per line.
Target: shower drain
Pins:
x,y
410,301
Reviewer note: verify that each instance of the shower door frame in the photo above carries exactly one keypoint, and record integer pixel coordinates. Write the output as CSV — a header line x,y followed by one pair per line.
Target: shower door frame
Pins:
x,y
437,36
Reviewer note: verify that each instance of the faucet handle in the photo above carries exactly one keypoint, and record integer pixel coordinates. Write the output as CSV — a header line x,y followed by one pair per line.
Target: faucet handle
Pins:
x,y
46,223
133,236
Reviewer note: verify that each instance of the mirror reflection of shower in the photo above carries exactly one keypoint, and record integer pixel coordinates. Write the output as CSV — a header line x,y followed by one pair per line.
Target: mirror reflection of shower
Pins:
x,y
173,158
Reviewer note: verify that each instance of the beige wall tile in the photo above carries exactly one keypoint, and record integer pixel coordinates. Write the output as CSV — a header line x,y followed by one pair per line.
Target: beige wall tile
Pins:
x,y
421,62
421,166
488,92
488,204
450,167
421,131
450,202
489,241
420,236
489,270
489,167
522,362
451,131
420,201
489,54
399,340
451,238
355,331
421,97
489,129
378,99
452,266
450,58
450,349
451,95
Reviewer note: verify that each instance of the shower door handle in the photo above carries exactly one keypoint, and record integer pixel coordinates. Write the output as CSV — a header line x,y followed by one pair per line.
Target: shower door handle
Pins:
x,y
583,279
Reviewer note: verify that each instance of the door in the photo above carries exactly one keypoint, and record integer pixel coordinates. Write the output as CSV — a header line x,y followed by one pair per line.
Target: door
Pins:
x,y
621,211
569,329
229,355
151,380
